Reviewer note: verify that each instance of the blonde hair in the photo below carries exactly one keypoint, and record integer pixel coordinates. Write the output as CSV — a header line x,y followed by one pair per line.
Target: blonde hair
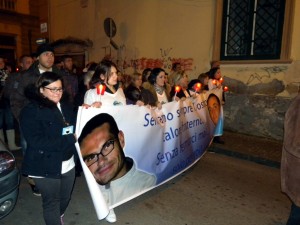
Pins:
x,y
177,76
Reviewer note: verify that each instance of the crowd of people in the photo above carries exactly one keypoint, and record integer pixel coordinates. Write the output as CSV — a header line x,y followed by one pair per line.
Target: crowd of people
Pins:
x,y
41,101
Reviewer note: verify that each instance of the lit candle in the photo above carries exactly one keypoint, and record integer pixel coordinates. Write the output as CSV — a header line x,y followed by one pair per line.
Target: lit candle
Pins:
x,y
225,89
177,89
214,82
100,90
221,80
198,87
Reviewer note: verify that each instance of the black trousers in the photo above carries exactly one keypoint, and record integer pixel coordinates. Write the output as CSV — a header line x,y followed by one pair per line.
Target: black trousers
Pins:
x,y
56,195
294,218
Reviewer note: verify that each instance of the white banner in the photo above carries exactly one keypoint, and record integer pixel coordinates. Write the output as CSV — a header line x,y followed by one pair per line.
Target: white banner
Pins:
x,y
162,144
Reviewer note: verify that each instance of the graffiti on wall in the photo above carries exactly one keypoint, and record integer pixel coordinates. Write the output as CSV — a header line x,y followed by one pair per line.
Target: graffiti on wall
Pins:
x,y
267,73
165,61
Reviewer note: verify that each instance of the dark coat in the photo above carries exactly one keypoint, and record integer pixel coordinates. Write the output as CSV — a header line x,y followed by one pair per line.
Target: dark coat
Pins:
x,y
42,123
150,87
133,94
28,77
290,161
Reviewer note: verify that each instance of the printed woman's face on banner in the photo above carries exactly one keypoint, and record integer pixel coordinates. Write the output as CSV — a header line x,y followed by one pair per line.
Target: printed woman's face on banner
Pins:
x,y
111,166
214,108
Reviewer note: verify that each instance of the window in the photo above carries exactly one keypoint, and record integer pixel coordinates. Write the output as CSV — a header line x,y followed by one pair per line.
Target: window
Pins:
x,y
253,30
8,4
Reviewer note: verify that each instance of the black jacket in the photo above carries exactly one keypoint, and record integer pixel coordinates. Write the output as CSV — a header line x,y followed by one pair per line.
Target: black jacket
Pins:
x,y
42,123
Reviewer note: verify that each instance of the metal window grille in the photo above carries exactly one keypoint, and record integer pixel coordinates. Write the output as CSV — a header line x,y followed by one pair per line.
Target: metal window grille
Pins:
x,y
252,29
8,5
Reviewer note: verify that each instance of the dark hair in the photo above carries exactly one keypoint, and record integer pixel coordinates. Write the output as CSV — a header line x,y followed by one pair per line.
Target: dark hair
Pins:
x,y
47,78
202,76
32,91
64,57
153,75
192,83
96,122
92,66
212,72
22,57
103,68
34,55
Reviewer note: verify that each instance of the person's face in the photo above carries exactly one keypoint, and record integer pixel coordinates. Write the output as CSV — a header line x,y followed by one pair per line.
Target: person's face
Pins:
x,y
213,109
218,74
111,166
2,63
53,91
184,81
46,60
138,81
68,64
205,81
26,63
166,78
113,78
160,79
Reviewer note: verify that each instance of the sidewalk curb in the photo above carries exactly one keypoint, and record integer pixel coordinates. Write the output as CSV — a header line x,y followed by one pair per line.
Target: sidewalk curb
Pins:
x,y
259,160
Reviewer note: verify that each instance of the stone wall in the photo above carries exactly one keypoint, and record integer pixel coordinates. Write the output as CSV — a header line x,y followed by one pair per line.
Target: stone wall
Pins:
x,y
257,115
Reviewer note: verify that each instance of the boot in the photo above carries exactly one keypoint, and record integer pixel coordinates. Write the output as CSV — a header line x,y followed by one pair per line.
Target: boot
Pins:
x,y
11,140
2,136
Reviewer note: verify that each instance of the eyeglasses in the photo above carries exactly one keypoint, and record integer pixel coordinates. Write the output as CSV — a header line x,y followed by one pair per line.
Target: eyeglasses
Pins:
x,y
105,150
54,90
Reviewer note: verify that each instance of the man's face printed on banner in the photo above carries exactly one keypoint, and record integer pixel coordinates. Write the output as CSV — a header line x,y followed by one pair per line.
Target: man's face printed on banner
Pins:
x,y
111,166
214,108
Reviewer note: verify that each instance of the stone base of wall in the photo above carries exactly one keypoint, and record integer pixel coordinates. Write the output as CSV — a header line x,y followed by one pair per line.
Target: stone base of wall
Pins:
x,y
256,115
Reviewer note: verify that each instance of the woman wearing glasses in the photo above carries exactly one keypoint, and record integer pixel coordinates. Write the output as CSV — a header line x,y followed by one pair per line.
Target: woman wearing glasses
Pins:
x,y
47,123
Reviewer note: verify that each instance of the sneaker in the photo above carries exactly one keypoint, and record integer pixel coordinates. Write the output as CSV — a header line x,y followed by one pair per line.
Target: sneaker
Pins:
x,y
111,217
61,219
35,190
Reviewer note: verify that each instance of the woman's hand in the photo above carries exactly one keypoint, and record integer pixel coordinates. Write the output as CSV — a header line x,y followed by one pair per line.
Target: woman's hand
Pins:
x,y
176,98
85,105
139,103
159,105
96,104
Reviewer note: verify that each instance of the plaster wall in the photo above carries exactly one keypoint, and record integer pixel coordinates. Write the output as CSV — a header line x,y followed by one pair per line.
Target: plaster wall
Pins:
x,y
149,32
154,33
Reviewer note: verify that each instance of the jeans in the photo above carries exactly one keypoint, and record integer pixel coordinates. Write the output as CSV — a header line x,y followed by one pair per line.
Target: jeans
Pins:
x,y
56,194
294,218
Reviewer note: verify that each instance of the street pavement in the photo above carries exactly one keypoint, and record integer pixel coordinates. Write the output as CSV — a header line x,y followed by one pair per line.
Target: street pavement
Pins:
x,y
218,190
